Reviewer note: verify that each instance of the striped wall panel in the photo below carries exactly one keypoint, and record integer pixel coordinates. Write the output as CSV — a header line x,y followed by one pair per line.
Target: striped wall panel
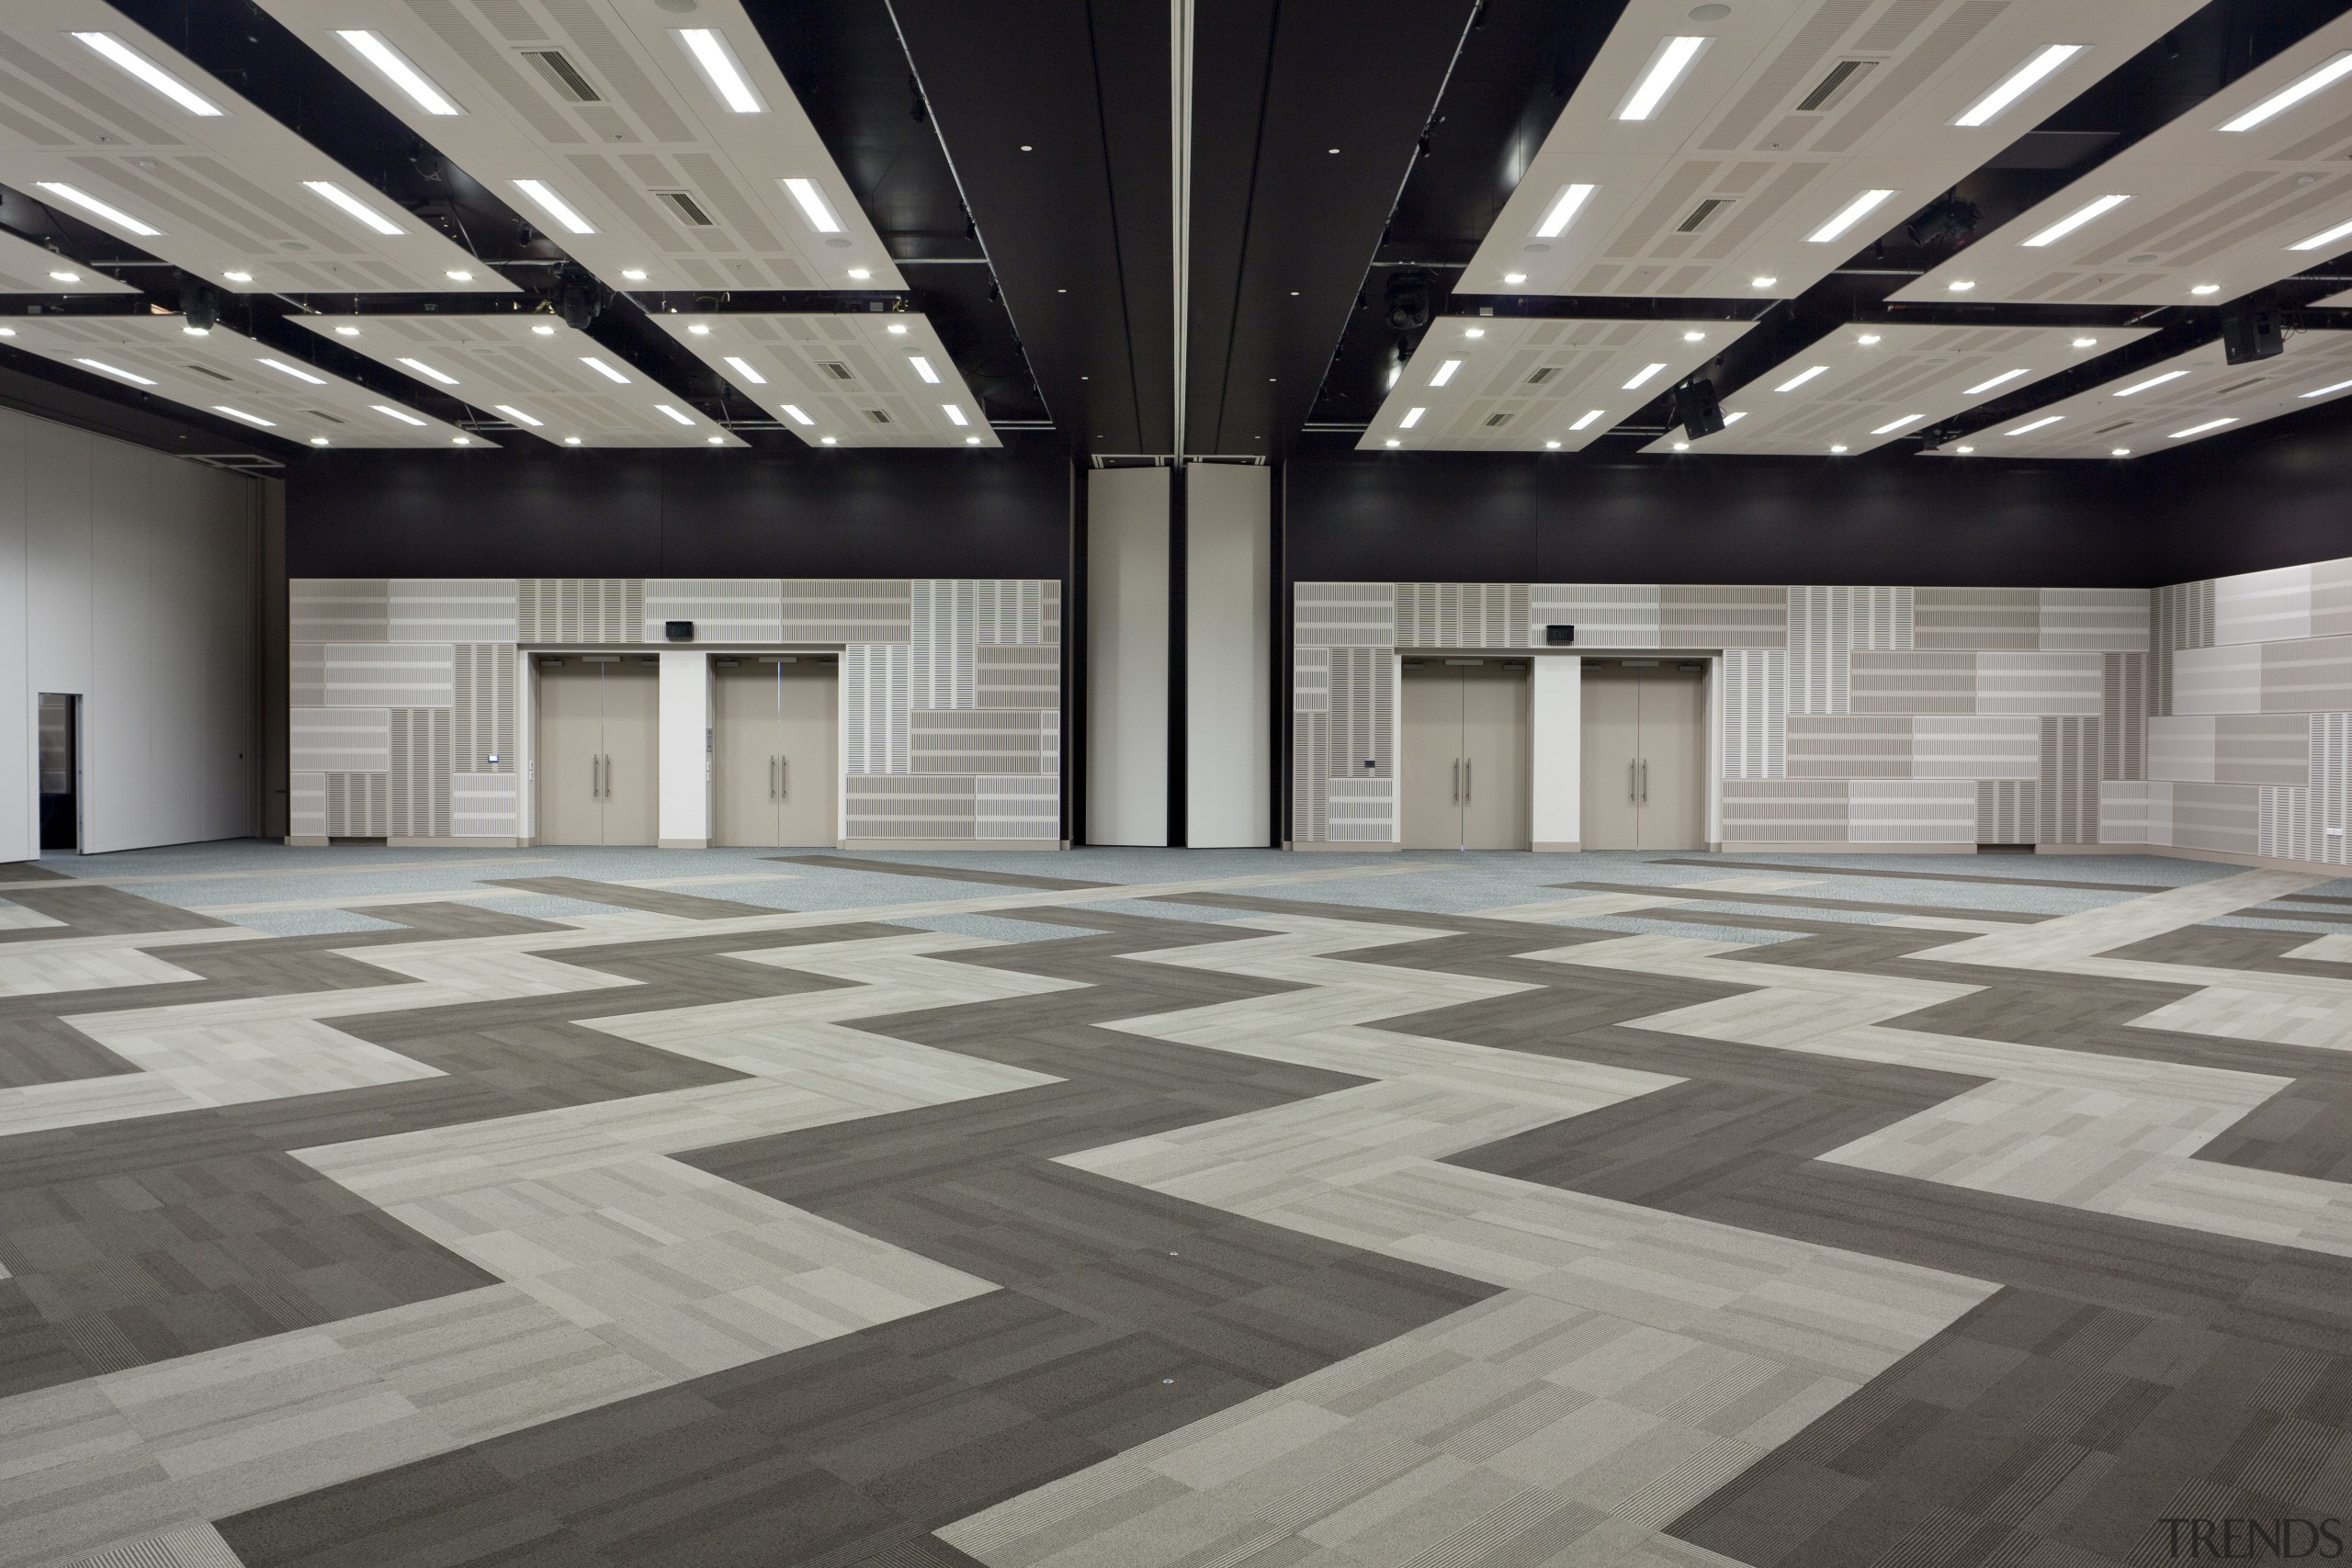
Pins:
x,y
482,805
1363,708
306,805
2093,620
1016,806
1362,811
1310,777
1973,745
2330,752
1725,618
337,609
1841,745
2218,816
1017,675
2041,683
358,806
1911,811
2180,748
1756,711
561,611
977,741
452,609
723,609
387,675
909,806
2287,823
2123,811
2250,749
1977,618
1012,612
2216,679
306,675
2068,787
2331,598
1783,811
1310,680
2310,676
2263,606
1605,615
483,681
875,698
339,740
1826,626
1462,615
417,802
940,643
1909,683
2009,811
846,610
2123,716
1344,615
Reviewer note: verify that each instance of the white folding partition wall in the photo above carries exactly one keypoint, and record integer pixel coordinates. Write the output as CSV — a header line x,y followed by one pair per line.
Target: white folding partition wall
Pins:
x,y
1228,644
1127,656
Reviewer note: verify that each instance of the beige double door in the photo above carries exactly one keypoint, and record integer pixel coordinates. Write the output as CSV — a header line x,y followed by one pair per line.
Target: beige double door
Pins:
x,y
599,762
1465,763
772,752
1644,745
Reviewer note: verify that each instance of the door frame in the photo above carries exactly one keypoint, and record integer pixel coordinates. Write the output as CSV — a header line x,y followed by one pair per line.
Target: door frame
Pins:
x,y
1711,695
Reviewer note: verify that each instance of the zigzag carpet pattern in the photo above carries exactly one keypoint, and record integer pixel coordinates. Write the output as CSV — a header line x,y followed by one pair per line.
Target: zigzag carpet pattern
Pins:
x,y
1167,1210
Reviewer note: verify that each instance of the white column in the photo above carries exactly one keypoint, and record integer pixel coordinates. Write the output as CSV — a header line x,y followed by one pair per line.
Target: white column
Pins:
x,y
1127,656
1556,745
685,750
1228,643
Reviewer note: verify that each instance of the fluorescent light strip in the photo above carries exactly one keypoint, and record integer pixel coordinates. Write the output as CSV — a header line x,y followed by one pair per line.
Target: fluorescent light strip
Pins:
x,y
673,413
923,369
744,369
2140,386
2202,429
1412,417
1891,426
1800,378
334,193
793,410
601,368
2045,420
116,371
405,418
93,205
813,206
422,368
1587,421
2333,387
396,69
1853,213
1446,372
555,205
1643,374
710,52
126,59
2019,82
1982,387
1562,212
1732,418
2326,74
954,416
300,375
518,415
253,419
2324,237
2076,220
1667,68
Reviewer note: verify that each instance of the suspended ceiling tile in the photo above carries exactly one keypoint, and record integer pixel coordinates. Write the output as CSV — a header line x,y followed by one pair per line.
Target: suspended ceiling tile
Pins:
x,y
1718,192
2179,400
850,375
524,367
27,268
1530,385
676,190
220,194
1866,385
2208,215
227,374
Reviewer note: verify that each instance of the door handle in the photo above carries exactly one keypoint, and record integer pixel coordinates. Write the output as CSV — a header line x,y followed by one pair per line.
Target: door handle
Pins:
x,y
596,777
1468,764
1457,781
1645,780
1633,788
784,778
771,778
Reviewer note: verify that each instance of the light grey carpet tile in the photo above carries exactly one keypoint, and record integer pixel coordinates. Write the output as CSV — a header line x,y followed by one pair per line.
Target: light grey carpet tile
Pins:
x,y
995,927
310,922
1695,931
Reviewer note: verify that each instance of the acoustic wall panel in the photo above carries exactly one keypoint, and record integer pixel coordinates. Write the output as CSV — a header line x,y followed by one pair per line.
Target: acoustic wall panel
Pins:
x,y
2093,620
358,806
910,805
1017,675
975,741
2068,788
481,805
1755,710
2217,680
418,796
1910,682
387,675
876,697
1310,777
1738,616
2009,811
482,698
2331,752
845,610
2221,818
724,610
2310,676
2181,747
339,740
1606,614
1363,695
2263,606
1840,746
1911,811
1826,626
2123,712
306,805
561,611
1462,615
1310,680
1362,811
1969,746
1977,618
451,610
1017,806
1783,811
336,609
2124,811
2331,598
1344,615
1026,612
2063,683
941,637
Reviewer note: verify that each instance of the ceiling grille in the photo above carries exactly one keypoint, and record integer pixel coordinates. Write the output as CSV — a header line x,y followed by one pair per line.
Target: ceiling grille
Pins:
x,y
560,74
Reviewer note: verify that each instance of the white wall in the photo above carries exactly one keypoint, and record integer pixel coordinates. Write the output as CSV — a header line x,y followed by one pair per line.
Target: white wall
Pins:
x,y
126,577
1555,749
1229,649
686,721
1127,656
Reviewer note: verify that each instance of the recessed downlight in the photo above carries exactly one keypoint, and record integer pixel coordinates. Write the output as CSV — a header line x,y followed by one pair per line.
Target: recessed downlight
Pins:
x,y
1762,282
634,274
700,329
1837,451
62,276
2085,342
1961,285
2205,288
2119,451
1694,338
1867,339
544,329
1392,441
1514,277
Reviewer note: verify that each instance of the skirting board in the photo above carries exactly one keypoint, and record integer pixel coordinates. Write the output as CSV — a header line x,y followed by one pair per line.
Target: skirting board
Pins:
x,y
307,840
683,844
2218,857
1838,847
1382,848
486,843
953,844
1570,847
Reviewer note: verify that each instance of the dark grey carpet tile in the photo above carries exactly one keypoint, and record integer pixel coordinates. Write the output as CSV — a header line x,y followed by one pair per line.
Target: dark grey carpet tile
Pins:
x,y
1798,901
945,873
34,1352
652,901
29,871
1744,863
89,909
37,1047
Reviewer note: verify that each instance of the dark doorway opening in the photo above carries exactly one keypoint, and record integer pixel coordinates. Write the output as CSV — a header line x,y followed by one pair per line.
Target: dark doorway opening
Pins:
x,y
60,770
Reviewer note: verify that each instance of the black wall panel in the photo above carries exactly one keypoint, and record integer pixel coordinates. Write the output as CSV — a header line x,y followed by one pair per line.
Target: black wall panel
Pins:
x,y
654,514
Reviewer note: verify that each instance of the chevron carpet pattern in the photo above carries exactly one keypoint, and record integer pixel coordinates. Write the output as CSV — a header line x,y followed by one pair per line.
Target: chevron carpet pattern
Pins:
x,y
1131,1209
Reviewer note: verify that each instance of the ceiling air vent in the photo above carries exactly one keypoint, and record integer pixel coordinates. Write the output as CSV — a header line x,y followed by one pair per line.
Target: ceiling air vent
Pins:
x,y
1703,215
836,370
2120,424
1834,89
321,413
1496,421
687,209
562,75
207,370
877,416
2237,387
1544,375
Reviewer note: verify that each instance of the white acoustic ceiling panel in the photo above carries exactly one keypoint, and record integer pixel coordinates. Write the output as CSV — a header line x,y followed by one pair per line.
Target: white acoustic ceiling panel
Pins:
x,y
1743,151
1512,384
2173,403
2205,213
532,371
850,378
225,373
652,141
27,268
102,119
1866,385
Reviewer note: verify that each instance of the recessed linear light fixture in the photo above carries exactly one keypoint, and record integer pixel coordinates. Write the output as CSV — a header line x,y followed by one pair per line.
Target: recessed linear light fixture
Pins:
x,y
1562,212
634,274
2329,72
555,206
2138,387
810,199
745,368
1643,375
673,413
2206,288
1732,418
98,209
1891,426
2004,378
1392,441
954,416
606,371
719,441
1669,62
2076,219
2038,67
395,68
2086,342
1694,338
2032,425
2202,429
117,371
1514,277
518,415
829,441
861,273
346,332
1586,422
923,369
895,329
1837,451
1412,417
1800,377
542,330
226,277
2323,391
1446,372
2119,451
391,412
700,329
130,61
1846,217
1961,285
708,49
327,190
422,368
253,419
1551,447
2324,237
285,369
1867,339
1762,282
792,411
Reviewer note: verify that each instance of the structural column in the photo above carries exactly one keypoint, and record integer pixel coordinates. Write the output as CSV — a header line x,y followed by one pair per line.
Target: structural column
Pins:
x,y
1127,585
685,796
1229,647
